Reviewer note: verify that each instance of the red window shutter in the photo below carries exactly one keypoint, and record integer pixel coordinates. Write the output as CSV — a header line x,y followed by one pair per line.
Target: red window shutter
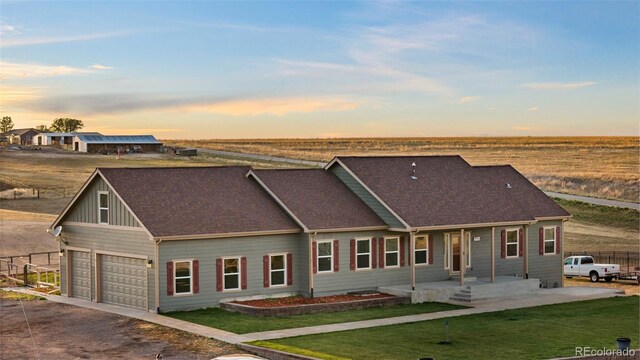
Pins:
x,y
402,250
558,239
381,253
541,240
314,256
503,248
521,243
430,250
374,253
196,276
243,263
336,255
219,274
289,269
353,254
265,270
170,278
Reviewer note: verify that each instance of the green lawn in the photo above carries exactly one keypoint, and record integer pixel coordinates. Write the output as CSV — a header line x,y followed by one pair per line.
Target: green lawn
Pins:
x,y
601,215
534,333
243,324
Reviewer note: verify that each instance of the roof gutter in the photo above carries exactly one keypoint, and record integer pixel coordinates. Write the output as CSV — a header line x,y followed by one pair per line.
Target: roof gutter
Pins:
x,y
472,226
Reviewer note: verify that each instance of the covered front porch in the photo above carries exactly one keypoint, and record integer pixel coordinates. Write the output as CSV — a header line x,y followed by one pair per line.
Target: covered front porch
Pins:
x,y
472,289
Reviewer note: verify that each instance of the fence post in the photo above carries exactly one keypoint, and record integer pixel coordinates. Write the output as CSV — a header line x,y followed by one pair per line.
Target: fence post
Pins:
x,y
48,258
628,262
25,275
30,262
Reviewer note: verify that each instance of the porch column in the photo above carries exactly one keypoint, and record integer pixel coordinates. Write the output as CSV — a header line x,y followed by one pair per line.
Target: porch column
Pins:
x,y
412,258
525,252
493,254
463,263
561,251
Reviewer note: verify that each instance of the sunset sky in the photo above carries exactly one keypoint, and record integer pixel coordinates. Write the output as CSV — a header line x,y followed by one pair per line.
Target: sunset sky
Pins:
x,y
324,69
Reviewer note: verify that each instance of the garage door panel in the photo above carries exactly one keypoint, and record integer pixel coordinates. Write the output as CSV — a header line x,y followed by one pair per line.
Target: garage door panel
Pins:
x,y
123,281
80,274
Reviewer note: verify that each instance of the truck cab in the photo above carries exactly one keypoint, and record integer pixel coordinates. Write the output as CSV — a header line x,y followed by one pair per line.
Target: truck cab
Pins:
x,y
586,266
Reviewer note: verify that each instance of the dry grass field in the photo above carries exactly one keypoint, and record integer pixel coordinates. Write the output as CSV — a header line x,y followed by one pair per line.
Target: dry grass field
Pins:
x,y
605,167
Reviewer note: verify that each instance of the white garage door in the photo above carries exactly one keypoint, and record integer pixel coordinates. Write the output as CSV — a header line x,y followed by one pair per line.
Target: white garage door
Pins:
x,y
80,274
123,281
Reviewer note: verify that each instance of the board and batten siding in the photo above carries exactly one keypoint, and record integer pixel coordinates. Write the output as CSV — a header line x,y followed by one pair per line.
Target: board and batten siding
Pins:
x,y
135,242
350,280
207,251
366,196
85,209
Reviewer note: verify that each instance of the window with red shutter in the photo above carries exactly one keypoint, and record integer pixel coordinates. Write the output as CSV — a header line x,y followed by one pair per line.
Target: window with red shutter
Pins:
x,y
352,254
336,256
196,276
541,240
503,241
314,256
289,269
402,250
558,239
265,271
219,274
243,272
170,278
430,249
381,263
521,243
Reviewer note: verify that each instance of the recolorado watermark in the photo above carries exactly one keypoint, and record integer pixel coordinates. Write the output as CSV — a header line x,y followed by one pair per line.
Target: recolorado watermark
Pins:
x,y
589,351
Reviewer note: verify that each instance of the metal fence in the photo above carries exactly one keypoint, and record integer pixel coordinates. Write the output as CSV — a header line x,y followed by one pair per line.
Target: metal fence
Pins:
x,y
628,260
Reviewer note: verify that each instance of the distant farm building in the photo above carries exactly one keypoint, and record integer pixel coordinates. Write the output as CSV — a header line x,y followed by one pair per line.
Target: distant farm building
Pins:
x,y
64,140
97,143
22,136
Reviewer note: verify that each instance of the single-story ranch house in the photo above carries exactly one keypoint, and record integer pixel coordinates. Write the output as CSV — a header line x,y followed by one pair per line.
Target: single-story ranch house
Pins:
x,y
166,239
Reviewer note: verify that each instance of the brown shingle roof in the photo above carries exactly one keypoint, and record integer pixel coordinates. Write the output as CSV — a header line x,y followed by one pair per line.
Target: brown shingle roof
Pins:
x,y
197,200
449,191
522,190
318,199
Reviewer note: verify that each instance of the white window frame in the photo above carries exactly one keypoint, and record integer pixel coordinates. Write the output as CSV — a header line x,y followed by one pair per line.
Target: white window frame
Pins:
x,y
284,270
357,253
506,243
386,266
545,240
175,277
239,273
330,256
426,250
100,208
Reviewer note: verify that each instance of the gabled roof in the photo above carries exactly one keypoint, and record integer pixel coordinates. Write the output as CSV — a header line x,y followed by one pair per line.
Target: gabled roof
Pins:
x,y
174,202
317,199
448,191
522,191
118,139
21,132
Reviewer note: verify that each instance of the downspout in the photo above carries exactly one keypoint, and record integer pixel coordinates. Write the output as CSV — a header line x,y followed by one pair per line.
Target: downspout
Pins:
x,y
311,259
156,276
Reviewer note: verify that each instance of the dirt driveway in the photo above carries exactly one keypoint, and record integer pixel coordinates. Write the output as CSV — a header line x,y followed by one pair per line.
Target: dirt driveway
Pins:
x,y
63,331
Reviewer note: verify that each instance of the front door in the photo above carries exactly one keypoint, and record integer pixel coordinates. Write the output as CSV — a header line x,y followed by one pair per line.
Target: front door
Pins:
x,y
455,253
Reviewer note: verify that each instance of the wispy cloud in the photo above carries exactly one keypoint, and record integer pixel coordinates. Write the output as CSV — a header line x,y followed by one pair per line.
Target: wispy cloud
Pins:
x,y
25,41
522,128
559,85
101,67
9,70
106,104
8,29
533,108
468,99
12,95
274,106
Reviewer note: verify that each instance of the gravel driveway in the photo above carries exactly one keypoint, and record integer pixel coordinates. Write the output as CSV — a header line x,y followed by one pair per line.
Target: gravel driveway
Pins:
x,y
63,331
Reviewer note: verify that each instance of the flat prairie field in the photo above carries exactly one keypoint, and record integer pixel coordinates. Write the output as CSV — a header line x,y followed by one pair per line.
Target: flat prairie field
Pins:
x,y
605,167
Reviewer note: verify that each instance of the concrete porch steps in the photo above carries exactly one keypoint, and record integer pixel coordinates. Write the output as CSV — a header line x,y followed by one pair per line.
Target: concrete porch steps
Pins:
x,y
472,290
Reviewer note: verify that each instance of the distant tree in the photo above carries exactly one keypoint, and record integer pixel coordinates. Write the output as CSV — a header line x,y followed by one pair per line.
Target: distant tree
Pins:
x,y
66,125
6,124
43,128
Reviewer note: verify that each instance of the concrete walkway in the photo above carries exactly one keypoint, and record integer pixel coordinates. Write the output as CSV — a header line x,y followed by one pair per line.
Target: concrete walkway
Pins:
x,y
542,297
595,201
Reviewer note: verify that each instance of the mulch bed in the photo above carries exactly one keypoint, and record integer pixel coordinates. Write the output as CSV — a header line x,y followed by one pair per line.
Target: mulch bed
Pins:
x,y
301,300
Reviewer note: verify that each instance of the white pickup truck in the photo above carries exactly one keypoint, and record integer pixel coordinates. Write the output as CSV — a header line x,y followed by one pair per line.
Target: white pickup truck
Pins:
x,y
585,266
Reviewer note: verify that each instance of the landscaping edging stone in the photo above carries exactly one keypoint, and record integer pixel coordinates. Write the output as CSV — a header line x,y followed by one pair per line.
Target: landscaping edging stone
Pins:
x,y
272,354
314,308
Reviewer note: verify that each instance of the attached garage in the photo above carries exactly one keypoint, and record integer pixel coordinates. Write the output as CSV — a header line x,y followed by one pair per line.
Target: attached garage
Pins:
x,y
122,280
80,272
